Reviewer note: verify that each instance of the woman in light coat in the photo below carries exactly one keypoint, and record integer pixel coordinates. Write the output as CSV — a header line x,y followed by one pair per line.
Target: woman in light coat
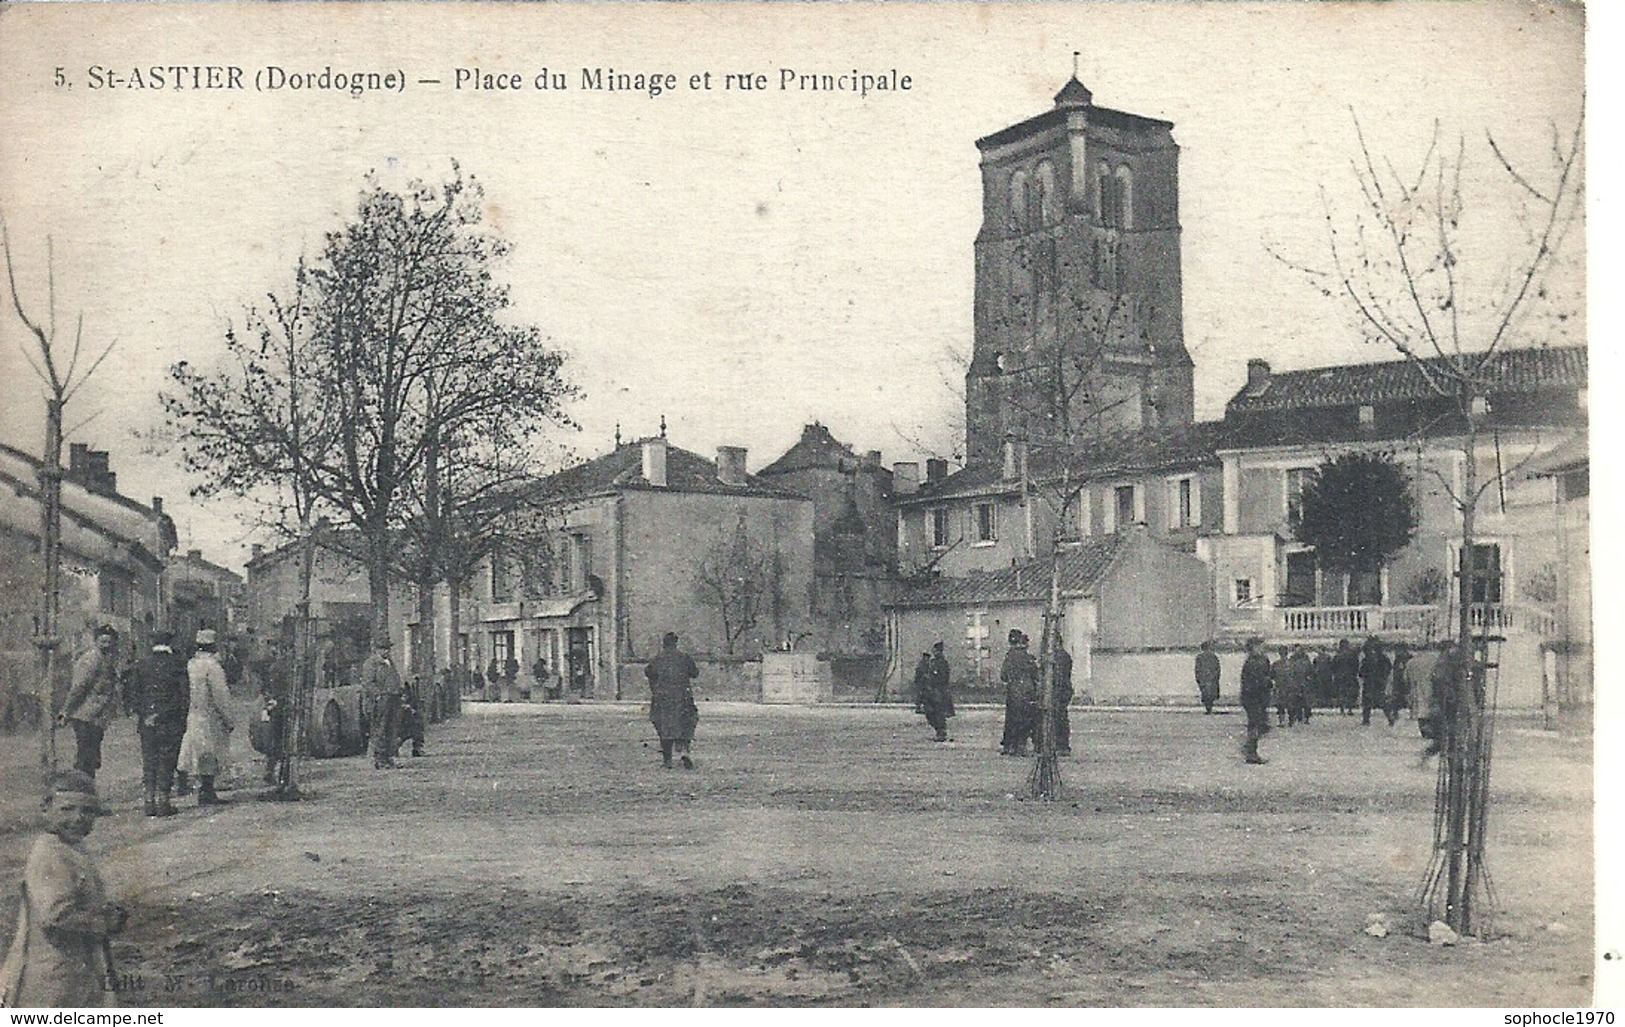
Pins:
x,y
206,749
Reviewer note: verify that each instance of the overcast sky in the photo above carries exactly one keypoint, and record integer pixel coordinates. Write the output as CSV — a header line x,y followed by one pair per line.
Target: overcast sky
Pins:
x,y
742,263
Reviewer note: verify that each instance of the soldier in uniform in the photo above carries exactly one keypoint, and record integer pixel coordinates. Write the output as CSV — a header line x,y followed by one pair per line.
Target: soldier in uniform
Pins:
x,y
92,700
381,685
1346,676
206,747
160,693
410,719
671,700
1207,676
1255,697
1020,676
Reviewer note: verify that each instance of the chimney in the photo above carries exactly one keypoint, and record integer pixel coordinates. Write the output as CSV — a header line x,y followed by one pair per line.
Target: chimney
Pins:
x,y
258,551
905,478
1258,374
936,469
731,465
1015,459
78,458
654,461
872,458
194,554
158,505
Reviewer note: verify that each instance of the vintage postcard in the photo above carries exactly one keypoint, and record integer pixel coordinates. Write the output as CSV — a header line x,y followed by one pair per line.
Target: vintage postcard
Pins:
x,y
1075,504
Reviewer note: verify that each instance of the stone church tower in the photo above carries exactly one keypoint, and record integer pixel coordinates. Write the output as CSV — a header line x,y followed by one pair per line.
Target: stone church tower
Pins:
x,y
1078,300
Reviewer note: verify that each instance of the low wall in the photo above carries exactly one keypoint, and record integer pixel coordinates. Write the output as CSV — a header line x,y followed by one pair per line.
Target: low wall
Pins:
x,y
730,679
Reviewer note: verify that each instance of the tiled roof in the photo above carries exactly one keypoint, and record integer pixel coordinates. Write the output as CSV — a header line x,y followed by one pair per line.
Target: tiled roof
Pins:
x,y
622,468
816,448
1081,569
1508,371
1143,451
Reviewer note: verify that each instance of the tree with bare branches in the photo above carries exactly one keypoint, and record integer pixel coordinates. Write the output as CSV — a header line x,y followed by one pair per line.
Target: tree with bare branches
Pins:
x,y
57,365
1450,280
735,577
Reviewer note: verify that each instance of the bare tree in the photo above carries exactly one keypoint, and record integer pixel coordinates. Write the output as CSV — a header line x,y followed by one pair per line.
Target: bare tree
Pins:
x,y
57,364
734,577
1060,399
1437,279
258,426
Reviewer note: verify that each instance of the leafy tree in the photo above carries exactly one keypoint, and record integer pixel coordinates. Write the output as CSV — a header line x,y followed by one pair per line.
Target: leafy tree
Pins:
x,y
1357,511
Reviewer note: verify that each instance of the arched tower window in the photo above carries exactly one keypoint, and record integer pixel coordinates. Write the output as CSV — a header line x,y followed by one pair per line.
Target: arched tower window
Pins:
x,y
1125,196
1018,200
1048,209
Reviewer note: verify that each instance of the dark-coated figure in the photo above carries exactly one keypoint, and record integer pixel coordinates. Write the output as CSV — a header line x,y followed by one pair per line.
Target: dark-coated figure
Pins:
x,y
1300,681
671,700
409,719
1020,676
1255,697
1346,676
935,694
1207,676
1281,687
160,693
1398,696
1374,669
1063,700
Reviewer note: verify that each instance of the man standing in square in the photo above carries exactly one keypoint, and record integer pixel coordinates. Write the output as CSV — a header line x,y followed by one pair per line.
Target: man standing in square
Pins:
x,y
92,700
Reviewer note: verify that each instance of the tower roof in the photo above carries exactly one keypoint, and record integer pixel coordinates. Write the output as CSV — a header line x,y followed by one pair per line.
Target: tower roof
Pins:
x,y
1074,94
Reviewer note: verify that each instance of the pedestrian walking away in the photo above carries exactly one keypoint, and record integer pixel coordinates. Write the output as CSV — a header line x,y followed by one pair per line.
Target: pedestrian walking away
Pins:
x,y
1020,676
381,687
1207,676
160,694
671,700
92,700
60,955
206,747
1346,676
1398,696
1255,697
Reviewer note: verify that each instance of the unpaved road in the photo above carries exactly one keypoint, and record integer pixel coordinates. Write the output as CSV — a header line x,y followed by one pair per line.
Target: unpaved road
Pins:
x,y
539,856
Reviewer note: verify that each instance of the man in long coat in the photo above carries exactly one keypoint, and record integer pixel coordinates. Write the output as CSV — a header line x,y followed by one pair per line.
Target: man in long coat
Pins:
x,y
1207,676
59,955
1255,697
381,686
1374,669
1020,676
92,700
671,700
206,748
1063,700
936,698
160,693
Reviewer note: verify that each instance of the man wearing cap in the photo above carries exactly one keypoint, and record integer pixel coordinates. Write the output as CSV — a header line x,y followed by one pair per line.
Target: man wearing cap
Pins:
x,y
381,684
206,748
671,700
92,700
1020,676
159,695
60,954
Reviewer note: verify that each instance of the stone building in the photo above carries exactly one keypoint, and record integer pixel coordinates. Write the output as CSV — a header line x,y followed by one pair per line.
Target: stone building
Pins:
x,y
854,538
200,593
1077,265
646,539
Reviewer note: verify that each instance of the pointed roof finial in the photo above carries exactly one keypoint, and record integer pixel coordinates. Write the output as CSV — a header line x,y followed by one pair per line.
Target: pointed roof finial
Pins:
x,y
662,425
1075,55
617,435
